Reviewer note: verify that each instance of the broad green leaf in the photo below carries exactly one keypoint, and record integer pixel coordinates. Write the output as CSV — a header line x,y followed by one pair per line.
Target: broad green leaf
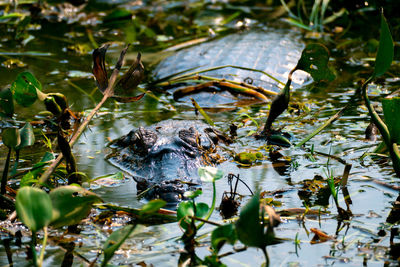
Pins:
x,y
71,204
114,241
222,234
249,229
27,180
186,209
391,113
209,174
11,137
27,136
6,102
25,88
192,194
314,60
33,207
152,206
384,57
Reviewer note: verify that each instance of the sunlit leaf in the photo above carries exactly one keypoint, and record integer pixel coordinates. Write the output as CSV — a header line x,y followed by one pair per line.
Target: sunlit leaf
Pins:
x,y
210,174
114,241
384,57
391,112
6,102
11,137
71,204
152,206
25,88
222,234
27,180
192,194
27,136
33,207
314,60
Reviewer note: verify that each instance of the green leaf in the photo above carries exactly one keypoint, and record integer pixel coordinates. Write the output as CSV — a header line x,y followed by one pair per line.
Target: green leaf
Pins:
x,y
25,88
391,113
314,60
186,209
28,180
33,207
152,206
209,174
384,57
6,102
71,204
31,177
192,194
11,137
114,241
248,227
222,234
27,136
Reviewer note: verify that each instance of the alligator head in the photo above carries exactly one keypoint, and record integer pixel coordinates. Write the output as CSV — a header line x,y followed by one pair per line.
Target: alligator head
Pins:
x,y
163,159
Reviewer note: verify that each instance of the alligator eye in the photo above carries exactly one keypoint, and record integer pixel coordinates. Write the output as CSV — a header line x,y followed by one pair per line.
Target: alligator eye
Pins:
x,y
144,139
190,136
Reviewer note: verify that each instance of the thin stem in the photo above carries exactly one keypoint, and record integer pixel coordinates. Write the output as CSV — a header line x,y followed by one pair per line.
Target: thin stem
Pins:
x,y
33,249
211,208
264,250
41,256
5,173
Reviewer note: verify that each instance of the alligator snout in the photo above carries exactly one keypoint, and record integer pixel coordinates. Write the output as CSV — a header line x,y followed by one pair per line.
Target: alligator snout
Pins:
x,y
163,159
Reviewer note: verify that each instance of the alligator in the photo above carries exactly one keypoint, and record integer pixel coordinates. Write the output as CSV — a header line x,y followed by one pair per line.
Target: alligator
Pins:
x,y
275,51
163,158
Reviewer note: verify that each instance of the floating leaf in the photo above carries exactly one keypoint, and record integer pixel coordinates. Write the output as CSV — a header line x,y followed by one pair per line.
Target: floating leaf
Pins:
x,y
152,206
6,102
11,137
27,136
314,60
222,234
210,174
25,88
33,207
114,241
71,204
391,112
384,57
